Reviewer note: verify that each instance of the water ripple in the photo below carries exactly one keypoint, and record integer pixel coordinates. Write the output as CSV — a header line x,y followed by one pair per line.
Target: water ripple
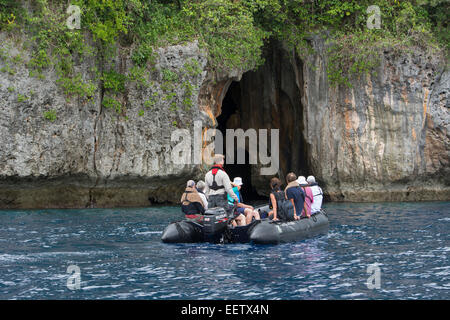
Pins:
x,y
120,256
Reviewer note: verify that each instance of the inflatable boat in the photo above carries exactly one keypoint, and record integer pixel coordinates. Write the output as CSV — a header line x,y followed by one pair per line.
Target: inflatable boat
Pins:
x,y
215,228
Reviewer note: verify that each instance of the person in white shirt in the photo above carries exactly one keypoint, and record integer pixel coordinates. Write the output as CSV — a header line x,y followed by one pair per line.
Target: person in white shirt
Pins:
x,y
201,188
317,194
218,185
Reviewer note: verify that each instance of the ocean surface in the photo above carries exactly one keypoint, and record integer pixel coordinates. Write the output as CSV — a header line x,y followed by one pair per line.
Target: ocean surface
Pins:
x,y
371,251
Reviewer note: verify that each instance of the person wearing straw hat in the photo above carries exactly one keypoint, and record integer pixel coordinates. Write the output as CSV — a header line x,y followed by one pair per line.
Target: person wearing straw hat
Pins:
x,y
247,211
309,199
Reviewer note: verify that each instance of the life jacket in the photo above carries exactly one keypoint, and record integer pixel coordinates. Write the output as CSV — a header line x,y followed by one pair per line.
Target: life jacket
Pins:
x,y
214,171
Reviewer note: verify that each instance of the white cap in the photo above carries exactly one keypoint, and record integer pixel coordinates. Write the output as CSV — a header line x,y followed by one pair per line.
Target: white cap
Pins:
x,y
190,183
311,179
237,181
302,181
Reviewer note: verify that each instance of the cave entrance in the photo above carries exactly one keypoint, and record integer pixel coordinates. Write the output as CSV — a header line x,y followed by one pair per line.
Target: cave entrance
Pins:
x,y
230,119
268,98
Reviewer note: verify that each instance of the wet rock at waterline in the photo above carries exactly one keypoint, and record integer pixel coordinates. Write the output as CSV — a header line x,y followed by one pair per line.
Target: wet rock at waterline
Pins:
x,y
386,138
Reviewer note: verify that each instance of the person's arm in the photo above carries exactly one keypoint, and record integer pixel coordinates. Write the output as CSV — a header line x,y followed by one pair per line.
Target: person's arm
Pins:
x,y
227,184
293,204
205,202
274,206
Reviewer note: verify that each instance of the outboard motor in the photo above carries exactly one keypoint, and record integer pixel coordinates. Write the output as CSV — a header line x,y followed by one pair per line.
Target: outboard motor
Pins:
x,y
215,222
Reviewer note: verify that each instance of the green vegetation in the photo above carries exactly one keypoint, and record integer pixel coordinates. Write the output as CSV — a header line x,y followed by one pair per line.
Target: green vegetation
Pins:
x,y
50,115
169,75
192,68
232,32
21,98
112,103
113,81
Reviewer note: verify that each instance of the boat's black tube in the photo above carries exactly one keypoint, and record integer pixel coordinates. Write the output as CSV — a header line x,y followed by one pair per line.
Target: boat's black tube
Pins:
x,y
270,232
265,233
182,232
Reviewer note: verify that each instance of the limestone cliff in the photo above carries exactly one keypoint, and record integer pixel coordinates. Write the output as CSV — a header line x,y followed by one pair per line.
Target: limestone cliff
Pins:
x,y
89,155
386,138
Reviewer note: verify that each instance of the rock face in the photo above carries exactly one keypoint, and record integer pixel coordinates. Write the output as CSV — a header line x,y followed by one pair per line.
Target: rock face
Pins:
x,y
386,138
90,156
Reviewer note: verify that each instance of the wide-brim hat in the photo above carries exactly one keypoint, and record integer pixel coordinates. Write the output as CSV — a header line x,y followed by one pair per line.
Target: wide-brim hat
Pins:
x,y
302,181
237,181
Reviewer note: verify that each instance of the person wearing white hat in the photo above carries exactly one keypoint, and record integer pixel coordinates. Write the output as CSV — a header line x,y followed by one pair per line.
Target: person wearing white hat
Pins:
x,y
242,210
317,194
309,199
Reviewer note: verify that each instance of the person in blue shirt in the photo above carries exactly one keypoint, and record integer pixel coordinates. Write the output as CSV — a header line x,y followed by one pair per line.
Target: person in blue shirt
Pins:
x,y
243,210
295,194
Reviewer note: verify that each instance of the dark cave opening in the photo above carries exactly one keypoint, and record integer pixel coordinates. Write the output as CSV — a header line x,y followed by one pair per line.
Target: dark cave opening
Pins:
x,y
229,119
269,98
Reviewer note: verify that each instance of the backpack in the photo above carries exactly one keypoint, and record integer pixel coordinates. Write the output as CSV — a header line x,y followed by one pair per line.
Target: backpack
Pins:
x,y
285,208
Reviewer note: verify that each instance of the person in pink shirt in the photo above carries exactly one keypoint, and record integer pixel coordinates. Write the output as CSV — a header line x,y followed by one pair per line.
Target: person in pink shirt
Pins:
x,y
309,199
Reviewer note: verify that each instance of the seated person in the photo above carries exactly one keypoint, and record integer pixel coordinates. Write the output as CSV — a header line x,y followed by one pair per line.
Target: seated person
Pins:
x,y
201,192
295,194
317,194
275,195
242,209
191,203
308,197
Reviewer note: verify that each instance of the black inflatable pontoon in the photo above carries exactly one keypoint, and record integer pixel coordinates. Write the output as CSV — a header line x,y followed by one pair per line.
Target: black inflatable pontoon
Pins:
x,y
215,228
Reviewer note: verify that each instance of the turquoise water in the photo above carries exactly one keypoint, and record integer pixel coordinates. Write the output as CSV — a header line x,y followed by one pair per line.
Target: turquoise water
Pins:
x,y
120,256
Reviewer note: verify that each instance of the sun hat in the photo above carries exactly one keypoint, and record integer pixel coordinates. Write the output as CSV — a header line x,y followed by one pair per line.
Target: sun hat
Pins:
x,y
237,181
302,181
311,179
